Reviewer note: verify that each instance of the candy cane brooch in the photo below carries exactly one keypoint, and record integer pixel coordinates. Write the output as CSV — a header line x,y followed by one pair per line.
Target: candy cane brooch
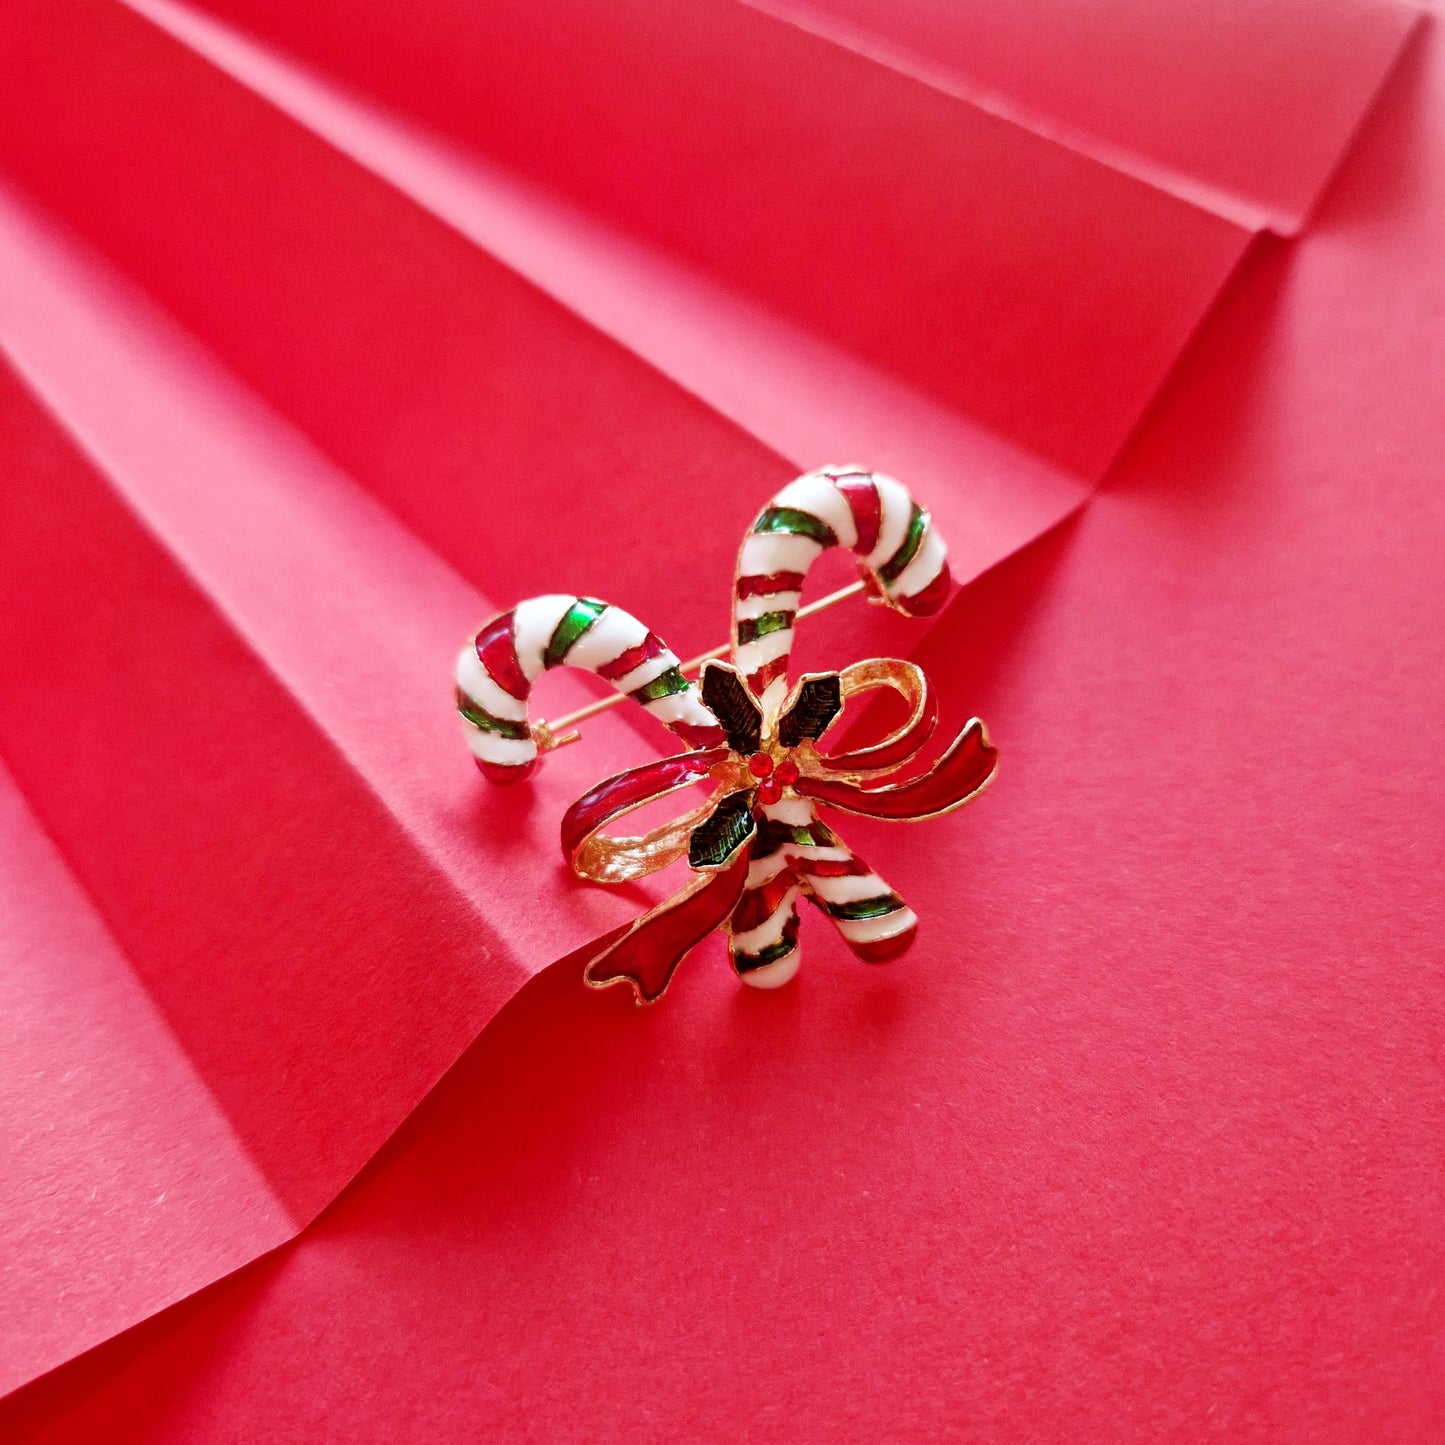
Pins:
x,y
756,846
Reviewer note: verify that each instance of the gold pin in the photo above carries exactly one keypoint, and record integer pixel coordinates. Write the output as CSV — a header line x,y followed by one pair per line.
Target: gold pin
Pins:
x,y
559,732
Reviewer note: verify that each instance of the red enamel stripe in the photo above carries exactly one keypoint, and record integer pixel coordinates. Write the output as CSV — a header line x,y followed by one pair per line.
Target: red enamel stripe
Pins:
x,y
967,765
505,772
766,585
700,735
927,602
497,652
881,950
648,954
831,867
768,672
867,507
650,646
759,904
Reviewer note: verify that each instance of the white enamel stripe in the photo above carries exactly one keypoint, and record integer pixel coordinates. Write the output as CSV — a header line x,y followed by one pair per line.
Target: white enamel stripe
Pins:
x,y
764,553
773,695
753,655
493,749
897,510
850,889
818,855
764,870
874,930
614,633
815,493
682,707
764,649
927,563
533,623
770,930
476,682
759,606
795,812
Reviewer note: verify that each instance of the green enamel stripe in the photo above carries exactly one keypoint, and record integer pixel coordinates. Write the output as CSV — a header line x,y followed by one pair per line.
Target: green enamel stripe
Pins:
x,y
747,962
752,628
879,907
581,617
479,717
665,684
808,835
790,519
892,569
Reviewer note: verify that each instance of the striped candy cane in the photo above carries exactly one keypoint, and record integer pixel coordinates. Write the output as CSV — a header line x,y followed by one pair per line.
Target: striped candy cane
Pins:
x,y
870,514
756,846
797,854
877,519
498,668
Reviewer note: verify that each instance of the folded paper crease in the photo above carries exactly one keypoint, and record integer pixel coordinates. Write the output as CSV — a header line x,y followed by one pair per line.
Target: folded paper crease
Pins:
x,y
283,361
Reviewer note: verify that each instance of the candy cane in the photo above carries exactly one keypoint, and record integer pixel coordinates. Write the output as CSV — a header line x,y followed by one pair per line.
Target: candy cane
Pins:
x,y
870,514
756,847
797,855
498,668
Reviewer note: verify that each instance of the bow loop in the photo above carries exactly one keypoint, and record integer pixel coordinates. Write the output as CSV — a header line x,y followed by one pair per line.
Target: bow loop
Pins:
x,y
889,752
602,857
965,769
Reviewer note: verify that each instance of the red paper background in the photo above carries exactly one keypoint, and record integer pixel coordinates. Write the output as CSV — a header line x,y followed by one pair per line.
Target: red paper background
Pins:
x,y
1141,1141
1242,110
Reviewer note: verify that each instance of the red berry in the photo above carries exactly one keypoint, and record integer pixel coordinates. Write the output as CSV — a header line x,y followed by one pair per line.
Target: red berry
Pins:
x,y
760,765
770,791
787,773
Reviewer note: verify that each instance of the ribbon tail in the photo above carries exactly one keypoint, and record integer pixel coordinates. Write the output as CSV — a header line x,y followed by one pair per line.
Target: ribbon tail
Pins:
x,y
964,770
647,955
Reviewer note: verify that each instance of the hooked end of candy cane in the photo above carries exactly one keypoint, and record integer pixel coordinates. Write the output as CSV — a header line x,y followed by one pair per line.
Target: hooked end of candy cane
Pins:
x,y
542,740
496,671
885,950
929,599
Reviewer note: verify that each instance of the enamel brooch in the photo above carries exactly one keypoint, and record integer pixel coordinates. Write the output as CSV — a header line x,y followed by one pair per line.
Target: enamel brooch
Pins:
x,y
756,847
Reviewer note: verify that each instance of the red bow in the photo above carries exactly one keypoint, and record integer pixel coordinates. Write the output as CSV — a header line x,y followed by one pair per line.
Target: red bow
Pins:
x,y
765,783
